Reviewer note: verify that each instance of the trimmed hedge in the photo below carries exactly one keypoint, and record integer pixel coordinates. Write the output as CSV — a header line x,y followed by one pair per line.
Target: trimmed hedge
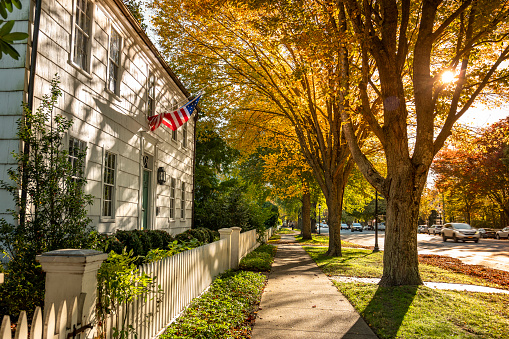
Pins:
x,y
141,242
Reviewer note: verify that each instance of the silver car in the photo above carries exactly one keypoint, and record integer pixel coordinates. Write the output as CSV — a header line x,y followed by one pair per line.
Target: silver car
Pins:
x,y
503,233
356,227
460,231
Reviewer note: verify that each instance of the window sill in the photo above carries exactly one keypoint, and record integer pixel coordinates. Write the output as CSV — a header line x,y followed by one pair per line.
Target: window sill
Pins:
x,y
107,219
113,94
79,69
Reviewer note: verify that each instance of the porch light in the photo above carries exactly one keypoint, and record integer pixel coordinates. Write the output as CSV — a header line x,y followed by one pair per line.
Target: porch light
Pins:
x,y
161,176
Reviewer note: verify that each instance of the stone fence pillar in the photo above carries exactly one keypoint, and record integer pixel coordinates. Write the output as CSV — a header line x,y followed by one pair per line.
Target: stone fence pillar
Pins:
x,y
70,272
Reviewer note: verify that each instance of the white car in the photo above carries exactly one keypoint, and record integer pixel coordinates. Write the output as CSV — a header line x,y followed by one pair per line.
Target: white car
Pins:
x,y
344,226
356,227
381,227
435,229
503,233
460,231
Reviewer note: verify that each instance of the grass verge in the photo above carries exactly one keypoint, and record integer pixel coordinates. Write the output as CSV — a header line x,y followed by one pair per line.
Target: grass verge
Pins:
x,y
366,264
324,240
416,312
260,260
284,230
274,239
227,309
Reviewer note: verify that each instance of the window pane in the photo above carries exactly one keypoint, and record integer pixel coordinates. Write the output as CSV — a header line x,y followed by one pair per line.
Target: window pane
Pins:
x,y
109,182
82,32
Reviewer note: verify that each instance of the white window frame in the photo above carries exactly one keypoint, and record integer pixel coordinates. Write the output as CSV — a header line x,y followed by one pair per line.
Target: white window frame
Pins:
x,y
151,94
117,63
184,135
173,187
183,201
113,185
174,104
82,145
86,67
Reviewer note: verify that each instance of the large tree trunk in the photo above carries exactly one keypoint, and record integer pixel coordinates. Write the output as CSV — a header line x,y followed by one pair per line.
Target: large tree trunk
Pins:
x,y
335,206
401,265
306,215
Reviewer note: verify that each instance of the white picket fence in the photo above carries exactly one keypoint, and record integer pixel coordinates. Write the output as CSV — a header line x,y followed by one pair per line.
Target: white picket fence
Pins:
x,y
247,243
59,325
181,277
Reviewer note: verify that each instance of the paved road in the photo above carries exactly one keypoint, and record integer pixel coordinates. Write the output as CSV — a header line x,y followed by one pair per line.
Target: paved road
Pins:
x,y
488,252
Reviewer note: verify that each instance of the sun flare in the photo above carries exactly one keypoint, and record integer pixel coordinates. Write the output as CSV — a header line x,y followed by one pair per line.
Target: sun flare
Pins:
x,y
448,77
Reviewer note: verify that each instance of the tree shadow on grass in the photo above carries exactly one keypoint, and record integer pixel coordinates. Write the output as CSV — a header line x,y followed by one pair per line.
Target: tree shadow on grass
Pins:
x,y
387,309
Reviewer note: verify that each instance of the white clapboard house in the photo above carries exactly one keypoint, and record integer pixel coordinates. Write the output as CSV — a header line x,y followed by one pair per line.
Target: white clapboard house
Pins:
x,y
112,78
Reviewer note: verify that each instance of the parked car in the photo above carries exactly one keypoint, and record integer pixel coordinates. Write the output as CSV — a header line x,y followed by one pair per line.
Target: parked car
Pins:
x,y
325,225
381,226
460,231
356,227
368,228
434,229
422,229
487,232
344,226
503,233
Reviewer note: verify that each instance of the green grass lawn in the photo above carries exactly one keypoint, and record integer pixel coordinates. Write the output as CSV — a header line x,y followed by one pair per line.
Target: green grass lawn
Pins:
x,y
284,230
323,240
417,311
366,264
274,239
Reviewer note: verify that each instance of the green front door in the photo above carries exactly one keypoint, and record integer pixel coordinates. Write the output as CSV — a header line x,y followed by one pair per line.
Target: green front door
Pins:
x,y
145,199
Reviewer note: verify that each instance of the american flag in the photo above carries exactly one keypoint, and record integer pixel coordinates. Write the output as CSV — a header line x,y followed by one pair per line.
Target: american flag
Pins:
x,y
176,118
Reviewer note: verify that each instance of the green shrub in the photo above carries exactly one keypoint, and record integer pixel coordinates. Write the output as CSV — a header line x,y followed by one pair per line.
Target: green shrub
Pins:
x,y
165,237
260,260
157,240
183,237
130,241
119,282
146,240
56,202
196,235
223,311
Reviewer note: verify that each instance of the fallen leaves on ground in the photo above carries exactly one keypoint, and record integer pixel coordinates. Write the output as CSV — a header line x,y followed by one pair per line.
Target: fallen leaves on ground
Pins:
x,y
452,264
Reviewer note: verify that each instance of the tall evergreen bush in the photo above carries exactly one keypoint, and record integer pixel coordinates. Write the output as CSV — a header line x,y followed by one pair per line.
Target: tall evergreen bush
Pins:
x,y
56,214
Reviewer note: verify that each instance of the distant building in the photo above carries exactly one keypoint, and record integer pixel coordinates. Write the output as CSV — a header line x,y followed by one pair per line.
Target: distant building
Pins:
x,y
112,78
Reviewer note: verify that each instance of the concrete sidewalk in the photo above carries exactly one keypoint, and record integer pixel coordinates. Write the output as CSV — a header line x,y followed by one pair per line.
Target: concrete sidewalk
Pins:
x,y
299,301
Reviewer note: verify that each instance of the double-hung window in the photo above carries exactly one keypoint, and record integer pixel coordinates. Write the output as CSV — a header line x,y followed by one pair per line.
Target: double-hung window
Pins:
x,y
172,198
174,107
114,62
82,32
77,153
109,184
183,202
184,135
151,95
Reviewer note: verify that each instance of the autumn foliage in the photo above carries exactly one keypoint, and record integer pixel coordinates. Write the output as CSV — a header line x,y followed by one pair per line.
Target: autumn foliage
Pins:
x,y
476,170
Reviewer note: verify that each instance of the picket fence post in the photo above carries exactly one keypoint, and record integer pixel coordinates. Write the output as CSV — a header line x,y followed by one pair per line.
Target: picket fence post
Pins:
x,y
226,233
71,273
